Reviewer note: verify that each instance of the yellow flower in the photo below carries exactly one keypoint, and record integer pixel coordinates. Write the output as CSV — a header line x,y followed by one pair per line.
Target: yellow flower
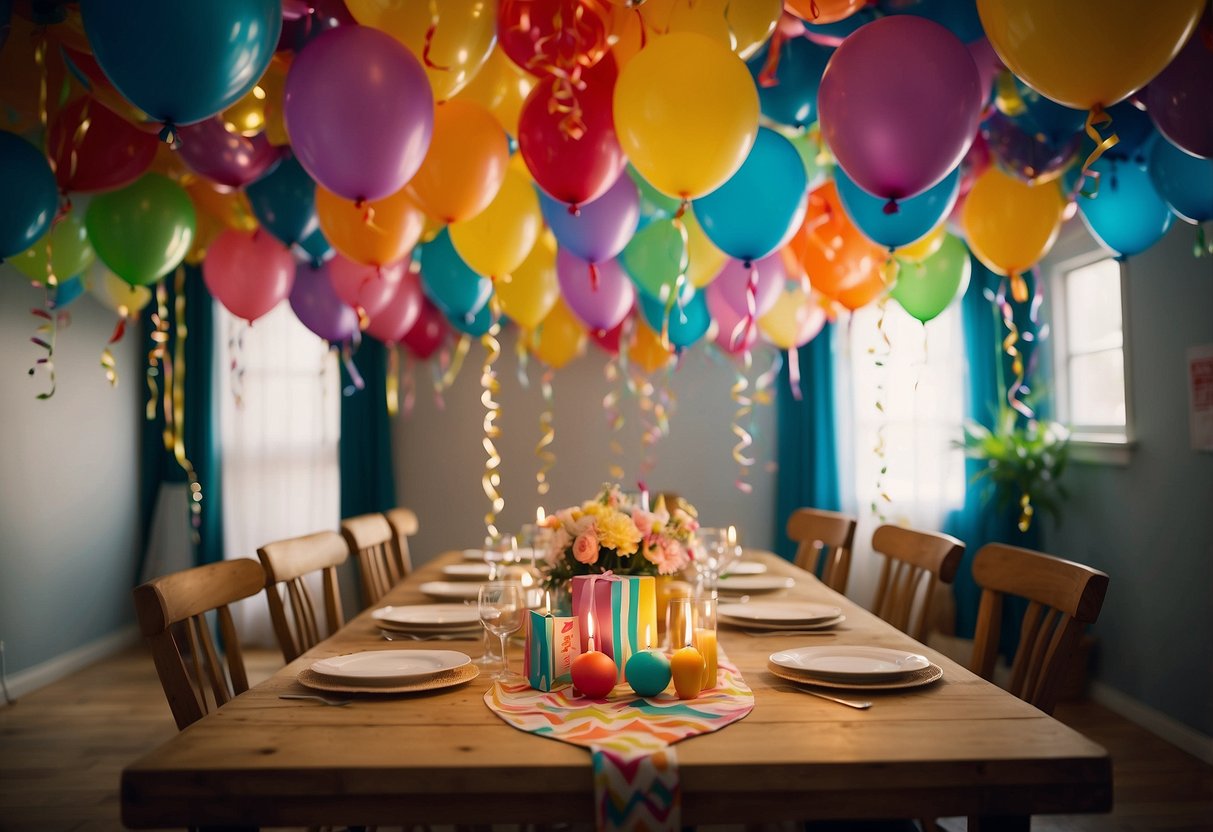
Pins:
x,y
617,531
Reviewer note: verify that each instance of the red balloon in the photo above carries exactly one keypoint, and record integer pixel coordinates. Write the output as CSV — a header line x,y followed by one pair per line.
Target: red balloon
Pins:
x,y
569,144
110,154
368,287
248,273
427,334
609,339
226,158
553,37
401,313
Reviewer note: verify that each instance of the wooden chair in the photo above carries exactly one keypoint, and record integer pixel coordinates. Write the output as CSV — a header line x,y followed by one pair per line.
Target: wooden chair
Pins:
x,y
404,524
286,564
1064,597
816,531
171,612
912,558
370,538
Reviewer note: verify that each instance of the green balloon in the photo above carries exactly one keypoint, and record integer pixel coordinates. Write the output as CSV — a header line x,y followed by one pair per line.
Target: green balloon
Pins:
x,y
71,252
653,203
925,289
143,231
655,257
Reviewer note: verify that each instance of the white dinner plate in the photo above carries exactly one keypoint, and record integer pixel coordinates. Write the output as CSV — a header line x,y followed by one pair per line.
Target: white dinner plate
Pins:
x,y
454,616
468,571
459,591
522,555
746,567
753,583
759,627
778,612
387,666
845,662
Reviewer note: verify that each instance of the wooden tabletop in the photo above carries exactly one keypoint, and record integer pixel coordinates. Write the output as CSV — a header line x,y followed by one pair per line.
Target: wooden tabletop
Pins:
x,y
959,747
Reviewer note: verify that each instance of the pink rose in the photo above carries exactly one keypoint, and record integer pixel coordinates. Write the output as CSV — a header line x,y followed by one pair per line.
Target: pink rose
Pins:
x,y
585,548
643,521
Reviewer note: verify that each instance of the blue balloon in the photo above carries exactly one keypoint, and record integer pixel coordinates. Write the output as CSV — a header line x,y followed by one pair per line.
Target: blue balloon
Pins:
x,y
449,282
68,291
958,16
914,219
31,197
760,207
477,325
600,229
687,325
792,100
1044,117
314,248
284,202
1127,215
1184,182
183,62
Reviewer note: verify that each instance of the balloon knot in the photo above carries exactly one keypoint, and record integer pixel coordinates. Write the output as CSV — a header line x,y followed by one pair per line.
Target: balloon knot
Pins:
x,y
682,208
748,264
169,136
594,277
575,210
890,207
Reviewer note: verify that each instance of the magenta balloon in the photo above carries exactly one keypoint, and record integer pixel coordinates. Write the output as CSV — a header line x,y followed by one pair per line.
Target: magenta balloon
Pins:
x,y
368,287
734,277
225,158
318,307
727,320
248,273
600,308
359,112
988,65
899,104
402,311
1180,99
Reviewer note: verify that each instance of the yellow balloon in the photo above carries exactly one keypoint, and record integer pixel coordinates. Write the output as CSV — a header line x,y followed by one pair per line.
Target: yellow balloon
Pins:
x,y
646,350
559,339
686,112
704,260
116,294
274,84
431,229
1088,53
920,250
742,27
531,292
460,35
796,312
1010,224
247,116
501,87
206,229
498,239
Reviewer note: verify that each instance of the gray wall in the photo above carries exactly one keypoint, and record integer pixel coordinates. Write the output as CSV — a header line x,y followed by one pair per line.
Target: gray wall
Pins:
x,y
1149,524
439,457
69,506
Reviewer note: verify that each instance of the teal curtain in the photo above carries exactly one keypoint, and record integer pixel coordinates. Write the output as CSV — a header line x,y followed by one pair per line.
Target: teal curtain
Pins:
x,y
806,438
158,464
367,481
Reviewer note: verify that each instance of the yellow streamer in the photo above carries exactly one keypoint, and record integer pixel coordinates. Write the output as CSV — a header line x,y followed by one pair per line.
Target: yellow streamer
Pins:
x,y
175,370
547,431
881,391
1098,116
392,382
744,440
452,371
611,408
488,382
1017,366
156,355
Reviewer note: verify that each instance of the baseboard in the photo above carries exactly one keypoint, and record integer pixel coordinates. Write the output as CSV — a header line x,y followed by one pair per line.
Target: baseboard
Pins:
x,y
1172,730
29,680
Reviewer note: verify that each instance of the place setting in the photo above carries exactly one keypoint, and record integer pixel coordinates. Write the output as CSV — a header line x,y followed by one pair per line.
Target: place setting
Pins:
x,y
421,622
770,618
856,668
389,671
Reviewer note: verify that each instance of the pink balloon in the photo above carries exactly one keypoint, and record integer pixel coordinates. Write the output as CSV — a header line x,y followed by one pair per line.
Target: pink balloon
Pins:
x,y
248,273
727,321
600,308
899,103
359,112
732,280
360,285
226,158
988,65
392,321
810,322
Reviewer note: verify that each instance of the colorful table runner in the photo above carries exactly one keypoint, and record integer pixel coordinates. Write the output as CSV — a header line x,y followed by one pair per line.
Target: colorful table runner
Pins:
x,y
636,782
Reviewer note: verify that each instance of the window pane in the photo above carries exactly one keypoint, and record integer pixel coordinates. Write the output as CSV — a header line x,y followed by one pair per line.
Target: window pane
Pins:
x,y
1097,388
1093,306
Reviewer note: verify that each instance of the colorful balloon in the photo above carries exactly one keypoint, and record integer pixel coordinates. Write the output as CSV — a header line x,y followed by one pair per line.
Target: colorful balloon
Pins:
x,y
109,154
656,258
231,208
377,233
532,290
824,11
769,275
961,19
795,318
741,27
1010,225
791,96
428,333
359,112
914,219
316,305
284,202
646,350
315,248
733,334
70,251
1180,98
925,289
601,302
369,288
704,260
684,325
225,158
475,325
501,87
918,251
1185,182
116,294
465,165
143,231
396,318
249,274
30,199
600,229
835,255
559,339
448,281
553,37
654,205
498,239
1127,214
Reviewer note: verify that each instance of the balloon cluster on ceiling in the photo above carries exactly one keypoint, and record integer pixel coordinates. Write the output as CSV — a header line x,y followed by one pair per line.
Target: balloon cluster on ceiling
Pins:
x,y
732,170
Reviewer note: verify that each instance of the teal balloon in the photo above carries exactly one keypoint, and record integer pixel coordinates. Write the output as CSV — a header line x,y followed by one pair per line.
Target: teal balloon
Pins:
x,y
1184,182
284,202
1126,214
760,207
686,325
914,219
655,257
449,282
68,291
792,99
478,325
31,197
182,61
314,248
654,205
925,289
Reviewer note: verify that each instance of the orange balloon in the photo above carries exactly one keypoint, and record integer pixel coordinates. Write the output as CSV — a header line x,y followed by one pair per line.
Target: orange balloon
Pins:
x,y
465,165
627,33
824,11
646,350
206,229
229,207
501,87
377,233
21,79
839,260
559,339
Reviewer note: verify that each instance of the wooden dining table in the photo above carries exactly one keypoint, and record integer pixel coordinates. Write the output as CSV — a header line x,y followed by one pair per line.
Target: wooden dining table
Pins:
x,y
961,746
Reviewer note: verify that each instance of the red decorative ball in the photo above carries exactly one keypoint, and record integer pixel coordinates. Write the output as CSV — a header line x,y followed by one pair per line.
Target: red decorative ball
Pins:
x,y
595,674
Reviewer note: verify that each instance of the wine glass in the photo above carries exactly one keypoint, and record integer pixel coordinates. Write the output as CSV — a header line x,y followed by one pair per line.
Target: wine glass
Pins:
x,y
711,544
501,612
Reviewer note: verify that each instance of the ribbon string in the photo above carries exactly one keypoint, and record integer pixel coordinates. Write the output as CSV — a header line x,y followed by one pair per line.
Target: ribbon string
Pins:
x,y
1009,341
1096,118
547,435
490,387
880,359
614,412
391,384
744,440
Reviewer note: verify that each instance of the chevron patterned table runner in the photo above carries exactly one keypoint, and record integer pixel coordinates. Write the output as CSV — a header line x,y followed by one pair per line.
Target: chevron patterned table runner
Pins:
x,y
636,782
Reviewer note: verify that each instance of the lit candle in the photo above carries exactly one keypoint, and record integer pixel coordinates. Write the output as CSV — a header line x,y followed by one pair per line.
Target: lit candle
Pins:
x,y
539,516
547,601
648,671
687,665
594,672
732,535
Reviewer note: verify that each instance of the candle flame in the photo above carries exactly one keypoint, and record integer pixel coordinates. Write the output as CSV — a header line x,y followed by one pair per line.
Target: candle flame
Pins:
x,y
540,516
589,624
732,535
648,635
547,600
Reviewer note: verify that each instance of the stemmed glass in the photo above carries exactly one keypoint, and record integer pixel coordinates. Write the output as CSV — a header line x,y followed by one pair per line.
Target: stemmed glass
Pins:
x,y
497,554
501,612
717,550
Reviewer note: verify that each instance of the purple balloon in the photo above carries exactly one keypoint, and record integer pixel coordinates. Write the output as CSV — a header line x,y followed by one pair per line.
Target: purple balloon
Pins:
x,y
988,65
601,308
359,112
601,228
731,283
226,158
317,306
900,102
1180,99
1030,157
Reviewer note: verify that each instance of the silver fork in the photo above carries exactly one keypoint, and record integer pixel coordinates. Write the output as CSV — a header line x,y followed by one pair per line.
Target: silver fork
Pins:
x,y
393,636
859,705
324,699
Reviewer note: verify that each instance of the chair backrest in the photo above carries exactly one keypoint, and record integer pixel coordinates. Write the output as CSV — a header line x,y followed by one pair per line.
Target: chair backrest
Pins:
x,y
816,531
172,617
286,565
916,562
1064,597
370,538
404,523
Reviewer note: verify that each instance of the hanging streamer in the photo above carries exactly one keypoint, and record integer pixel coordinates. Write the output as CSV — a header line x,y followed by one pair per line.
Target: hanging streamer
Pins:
x,y
392,382
456,361
1096,118
744,406
430,31
175,372
614,412
490,386
547,434
880,359
794,373
156,356
523,356
1009,341
236,328
410,385
348,348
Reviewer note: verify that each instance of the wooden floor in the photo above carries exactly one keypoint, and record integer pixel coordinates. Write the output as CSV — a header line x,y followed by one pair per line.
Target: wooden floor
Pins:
x,y
62,749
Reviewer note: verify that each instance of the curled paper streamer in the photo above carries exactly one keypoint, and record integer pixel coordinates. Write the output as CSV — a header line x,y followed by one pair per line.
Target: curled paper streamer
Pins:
x,y
1009,342
430,31
347,359
1097,117
744,440
236,328
614,413
391,384
436,378
523,356
410,385
547,431
157,354
174,377
881,390
490,386
456,362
